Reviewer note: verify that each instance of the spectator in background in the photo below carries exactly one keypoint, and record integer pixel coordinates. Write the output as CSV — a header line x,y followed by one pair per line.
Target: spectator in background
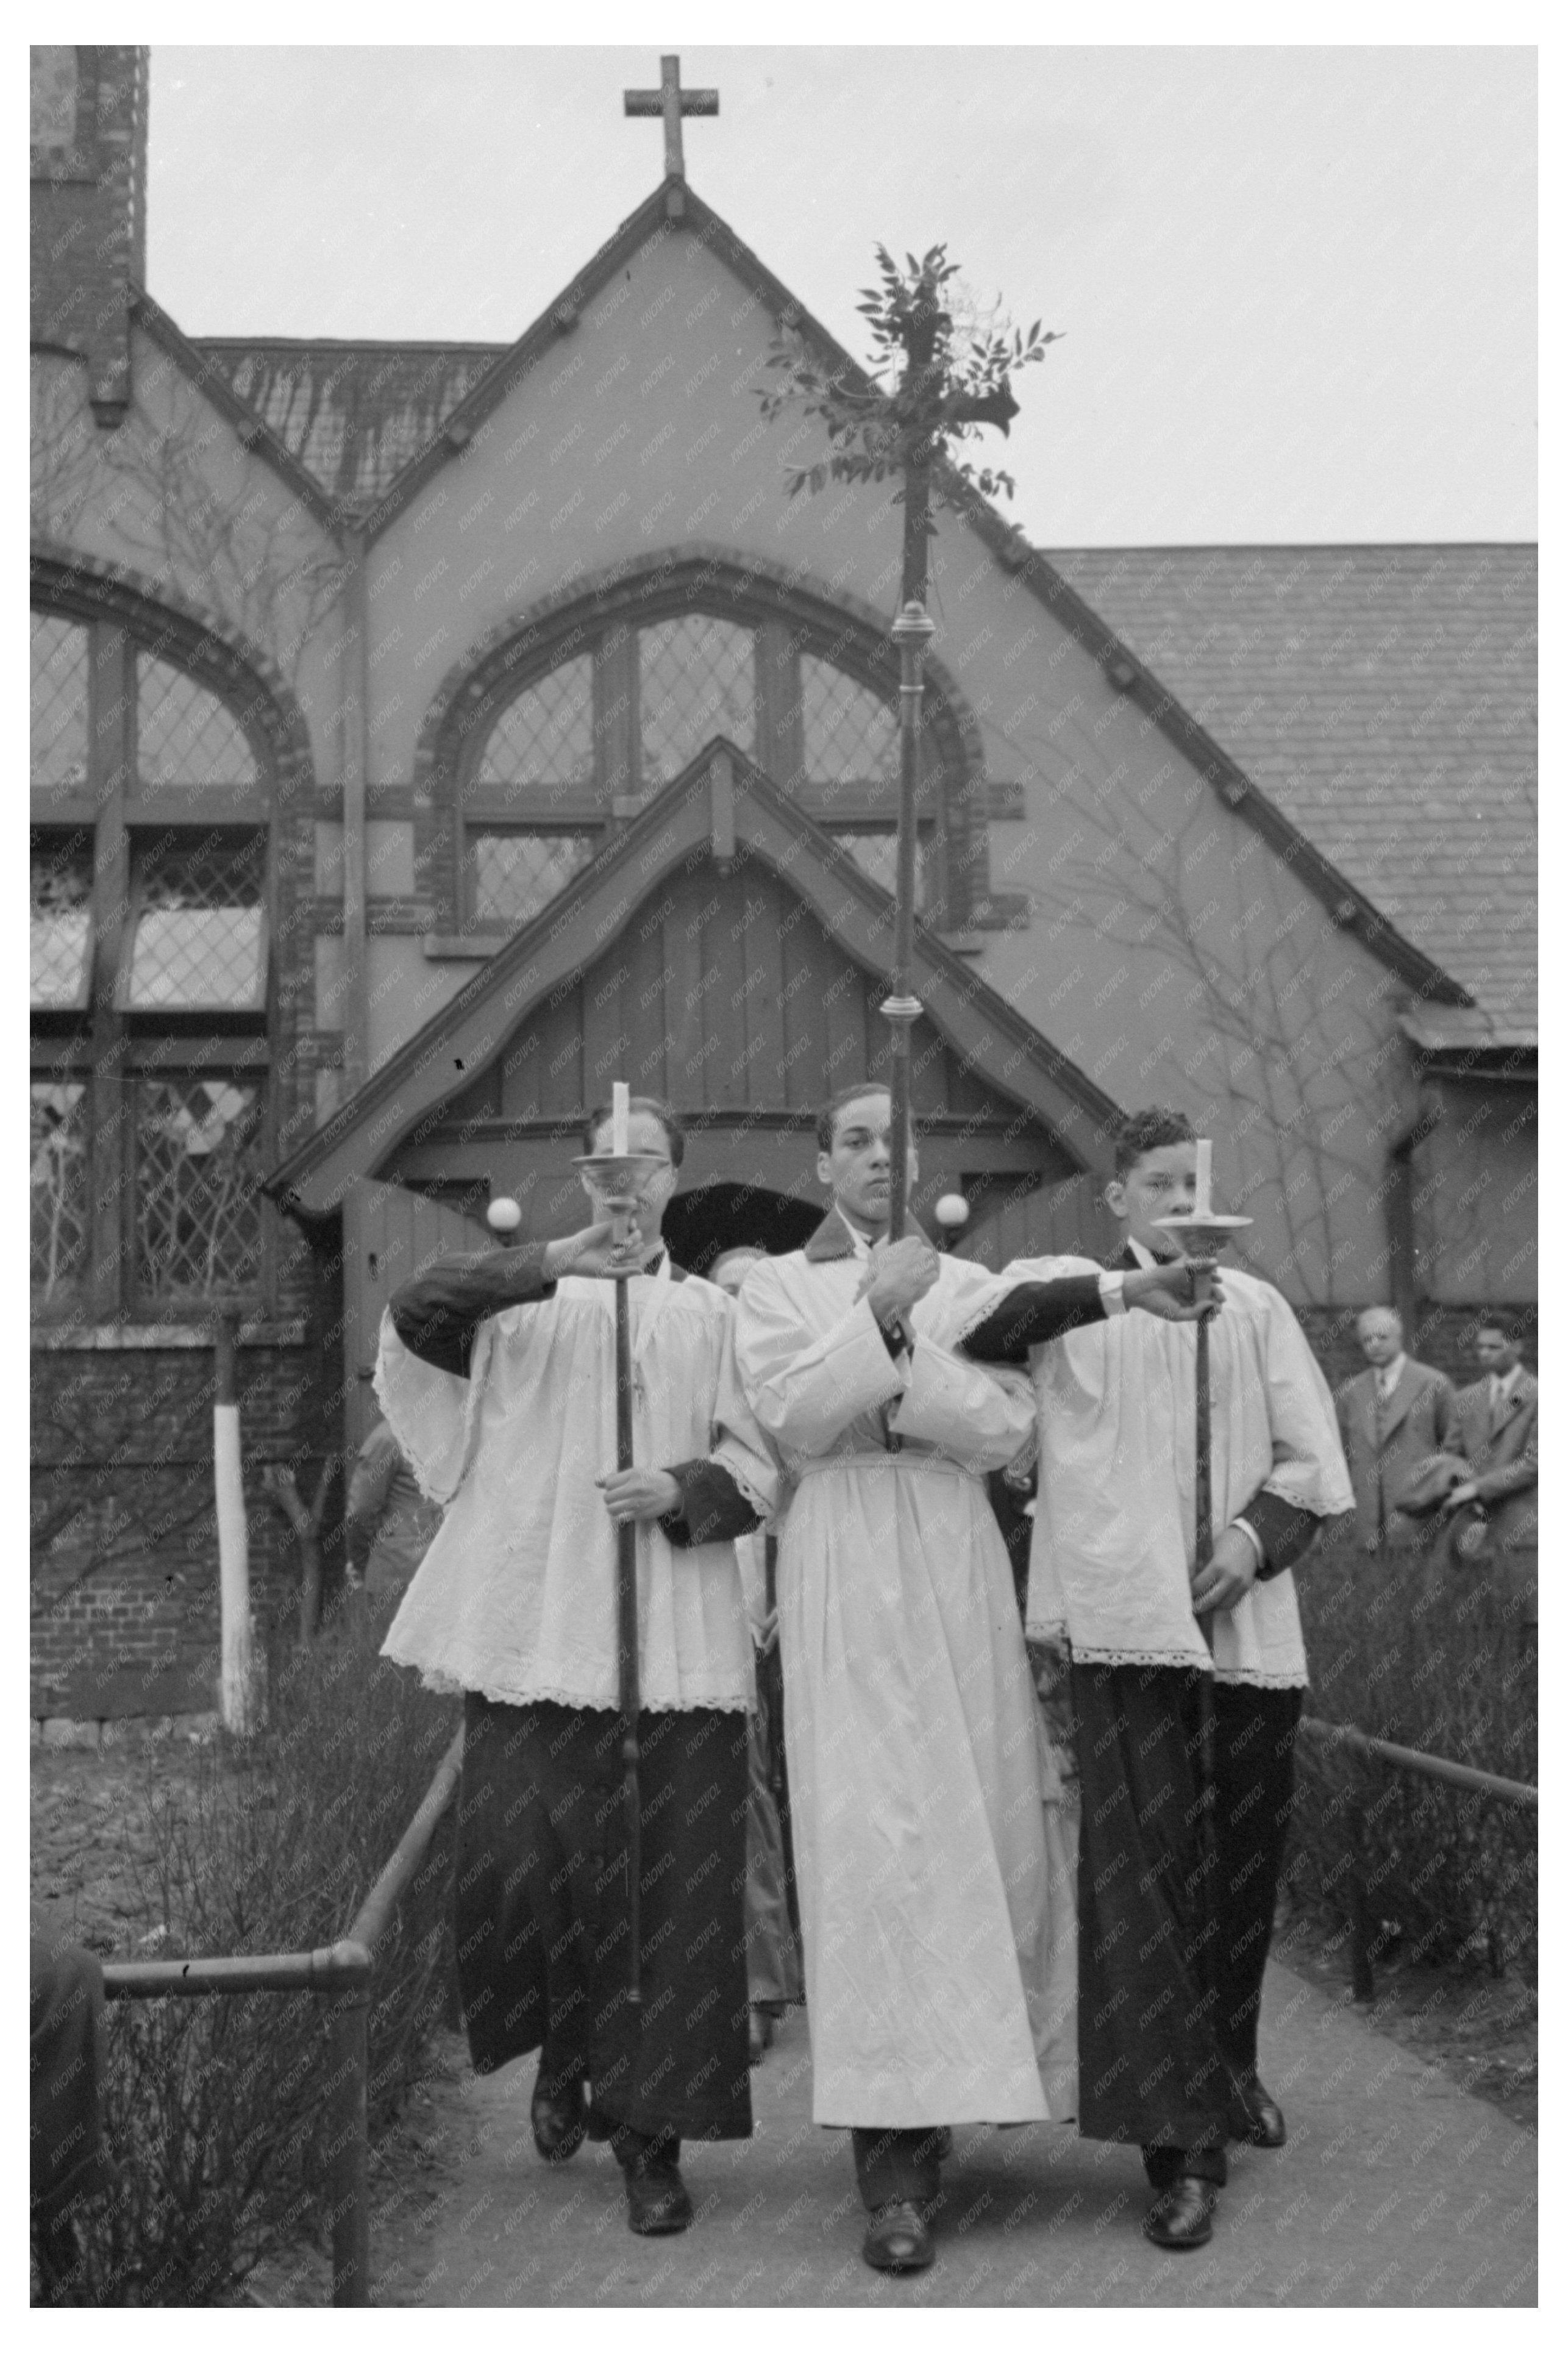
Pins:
x,y
389,1524
1495,1431
1391,1418
774,1975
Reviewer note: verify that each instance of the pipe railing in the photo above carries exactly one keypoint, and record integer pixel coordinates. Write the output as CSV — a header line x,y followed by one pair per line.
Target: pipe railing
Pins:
x,y
341,1975
1405,1760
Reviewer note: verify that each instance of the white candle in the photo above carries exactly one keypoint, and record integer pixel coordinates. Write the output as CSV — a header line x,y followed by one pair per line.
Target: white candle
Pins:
x,y
620,1116
1205,1158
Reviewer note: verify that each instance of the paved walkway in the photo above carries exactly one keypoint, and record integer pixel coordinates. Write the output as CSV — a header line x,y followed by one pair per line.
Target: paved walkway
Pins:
x,y
1396,2188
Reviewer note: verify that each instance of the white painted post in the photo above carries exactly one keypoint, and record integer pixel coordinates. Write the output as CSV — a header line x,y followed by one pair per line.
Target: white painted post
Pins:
x,y
233,1540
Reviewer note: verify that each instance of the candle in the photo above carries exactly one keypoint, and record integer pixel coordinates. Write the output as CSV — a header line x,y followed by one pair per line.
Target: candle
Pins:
x,y
620,1116
1205,1155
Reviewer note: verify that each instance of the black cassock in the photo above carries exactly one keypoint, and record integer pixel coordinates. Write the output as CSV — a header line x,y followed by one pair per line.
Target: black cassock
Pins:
x,y
542,1919
541,1915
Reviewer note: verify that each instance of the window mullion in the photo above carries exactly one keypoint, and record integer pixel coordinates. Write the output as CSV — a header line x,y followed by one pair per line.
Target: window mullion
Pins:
x,y
617,726
111,750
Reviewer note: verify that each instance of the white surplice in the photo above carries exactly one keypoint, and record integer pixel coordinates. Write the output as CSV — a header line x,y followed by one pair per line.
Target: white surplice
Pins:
x,y
516,1596
934,1870
1111,1562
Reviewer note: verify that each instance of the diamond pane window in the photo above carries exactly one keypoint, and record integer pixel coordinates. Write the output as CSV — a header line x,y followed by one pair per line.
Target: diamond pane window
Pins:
x,y
61,1190
877,854
546,736
516,874
851,735
184,736
698,680
198,929
60,930
198,1165
59,700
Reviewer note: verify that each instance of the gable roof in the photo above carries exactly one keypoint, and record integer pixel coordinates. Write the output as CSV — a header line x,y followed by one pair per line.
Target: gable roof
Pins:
x,y
354,414
1385,699
720,801
673,207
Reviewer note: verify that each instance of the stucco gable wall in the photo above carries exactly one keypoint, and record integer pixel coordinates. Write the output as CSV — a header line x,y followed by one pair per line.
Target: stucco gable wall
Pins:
x,y
1169,951
174,494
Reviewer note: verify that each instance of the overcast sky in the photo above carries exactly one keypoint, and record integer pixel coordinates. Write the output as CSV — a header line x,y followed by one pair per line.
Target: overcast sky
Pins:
x,y
1297,285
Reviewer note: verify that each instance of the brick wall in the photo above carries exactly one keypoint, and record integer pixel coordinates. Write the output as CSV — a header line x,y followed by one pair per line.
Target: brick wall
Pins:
x,y
87,226
125,1598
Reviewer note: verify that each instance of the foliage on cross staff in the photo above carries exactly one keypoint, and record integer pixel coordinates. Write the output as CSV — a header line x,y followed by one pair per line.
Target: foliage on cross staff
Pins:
x,y
936,377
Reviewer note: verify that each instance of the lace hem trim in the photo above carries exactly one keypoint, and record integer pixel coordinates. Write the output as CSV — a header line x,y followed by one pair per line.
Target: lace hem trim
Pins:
x,y
449,1686
1283,1678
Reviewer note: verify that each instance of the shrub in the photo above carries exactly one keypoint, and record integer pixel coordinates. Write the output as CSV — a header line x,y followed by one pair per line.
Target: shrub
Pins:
x,y
1414,1652
214,2107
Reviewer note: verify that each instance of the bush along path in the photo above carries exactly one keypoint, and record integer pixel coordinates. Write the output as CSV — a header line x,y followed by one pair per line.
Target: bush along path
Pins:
x,y
1396,2188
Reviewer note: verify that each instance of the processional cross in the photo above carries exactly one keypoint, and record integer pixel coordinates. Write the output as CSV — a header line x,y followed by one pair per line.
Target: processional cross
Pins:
x,y
670,101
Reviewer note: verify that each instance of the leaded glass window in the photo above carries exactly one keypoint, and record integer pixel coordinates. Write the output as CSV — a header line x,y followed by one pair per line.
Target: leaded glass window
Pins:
x,y
546,736
516,874
198,930
62,1184
153,1199
197,1202
184,736
60,925
698,680
590,741
851,735
59,700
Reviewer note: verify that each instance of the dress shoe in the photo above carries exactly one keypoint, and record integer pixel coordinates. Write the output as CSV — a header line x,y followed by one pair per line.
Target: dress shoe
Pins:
x,y
760,2036
1183,2216
559,2123
898,2239
1255,2117
657,2201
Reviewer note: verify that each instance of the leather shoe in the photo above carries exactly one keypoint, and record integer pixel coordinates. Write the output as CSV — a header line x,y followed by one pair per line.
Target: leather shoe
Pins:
x,y
1255,2117
898,2239
559,2123
657,2201
1183,2216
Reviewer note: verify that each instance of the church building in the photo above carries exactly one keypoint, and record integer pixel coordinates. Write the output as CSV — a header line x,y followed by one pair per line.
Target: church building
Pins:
x,y
424,736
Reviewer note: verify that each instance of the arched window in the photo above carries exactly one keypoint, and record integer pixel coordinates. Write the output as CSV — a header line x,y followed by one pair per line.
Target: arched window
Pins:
x,y
618,711
150,904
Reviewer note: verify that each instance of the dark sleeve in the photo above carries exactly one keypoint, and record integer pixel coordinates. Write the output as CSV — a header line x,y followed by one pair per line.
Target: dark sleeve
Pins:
x,y
1032,1314
438,1315
712,1508
1284,1530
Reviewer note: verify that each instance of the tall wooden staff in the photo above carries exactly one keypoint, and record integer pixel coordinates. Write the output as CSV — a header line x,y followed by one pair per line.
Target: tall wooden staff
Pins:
x,y
618,1171
1203,1233
912,632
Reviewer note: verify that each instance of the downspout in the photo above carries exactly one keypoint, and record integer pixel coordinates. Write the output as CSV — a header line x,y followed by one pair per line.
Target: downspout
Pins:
x,y
1401,1196
355,692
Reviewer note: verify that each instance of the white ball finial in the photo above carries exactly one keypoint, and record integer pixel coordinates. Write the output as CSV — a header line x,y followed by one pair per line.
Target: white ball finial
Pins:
x,y
503,1216
952,1210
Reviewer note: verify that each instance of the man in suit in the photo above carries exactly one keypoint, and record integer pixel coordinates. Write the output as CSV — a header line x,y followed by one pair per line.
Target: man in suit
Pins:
x,y
1391,1416
1495,1431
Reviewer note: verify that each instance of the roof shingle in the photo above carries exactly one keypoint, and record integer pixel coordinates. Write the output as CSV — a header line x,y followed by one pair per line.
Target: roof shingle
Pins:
x,y
352,414
1384,697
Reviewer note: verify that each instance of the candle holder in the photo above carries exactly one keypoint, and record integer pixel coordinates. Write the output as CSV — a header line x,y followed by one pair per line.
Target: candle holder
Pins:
x,y
1202,1234
618,1172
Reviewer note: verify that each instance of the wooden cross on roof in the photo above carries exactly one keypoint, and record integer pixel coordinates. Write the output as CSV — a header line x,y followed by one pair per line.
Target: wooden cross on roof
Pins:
x,y
670,101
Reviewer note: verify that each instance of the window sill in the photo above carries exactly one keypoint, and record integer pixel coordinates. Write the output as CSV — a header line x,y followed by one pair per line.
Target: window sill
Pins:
x,y
476,948
257,1333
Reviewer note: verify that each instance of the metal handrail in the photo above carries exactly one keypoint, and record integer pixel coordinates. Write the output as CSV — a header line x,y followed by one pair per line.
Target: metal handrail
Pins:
x,y
339,1973
1407,1760
1417,1760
